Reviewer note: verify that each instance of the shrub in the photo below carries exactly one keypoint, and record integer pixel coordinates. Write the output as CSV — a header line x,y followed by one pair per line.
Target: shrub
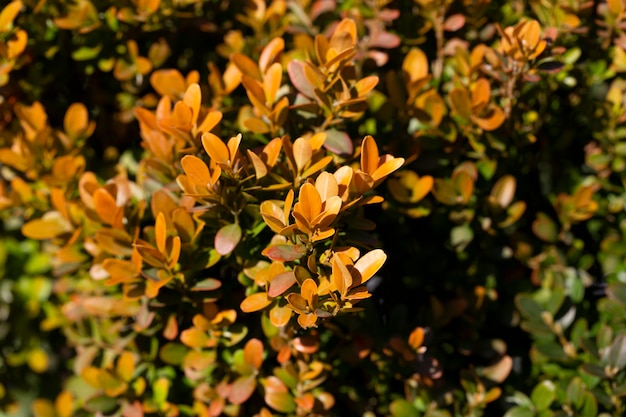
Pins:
x,y
312,208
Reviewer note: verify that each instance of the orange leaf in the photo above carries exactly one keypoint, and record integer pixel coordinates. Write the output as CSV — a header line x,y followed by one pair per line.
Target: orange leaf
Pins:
x,y
310,203
271,53
160,233
341,276
326,185
8,14
168,82
369,155
255,302
246,66
253,353
107,208
194,338
460,102
76,120
217,150
416,338
125,366
279,316
369,264
272,81
302,153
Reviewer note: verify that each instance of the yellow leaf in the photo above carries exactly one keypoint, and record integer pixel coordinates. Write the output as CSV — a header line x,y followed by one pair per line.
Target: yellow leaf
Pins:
x,y
125,366
48,227
8,14
415,65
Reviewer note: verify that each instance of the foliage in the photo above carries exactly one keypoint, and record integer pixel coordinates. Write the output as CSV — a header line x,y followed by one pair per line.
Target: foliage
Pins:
x,y
313,208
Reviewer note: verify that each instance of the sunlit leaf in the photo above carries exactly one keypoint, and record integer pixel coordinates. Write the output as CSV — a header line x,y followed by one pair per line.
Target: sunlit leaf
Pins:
x,y
227,238
255,302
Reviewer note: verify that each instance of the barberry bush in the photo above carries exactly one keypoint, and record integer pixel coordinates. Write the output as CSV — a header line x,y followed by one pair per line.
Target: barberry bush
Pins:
x,y
313,208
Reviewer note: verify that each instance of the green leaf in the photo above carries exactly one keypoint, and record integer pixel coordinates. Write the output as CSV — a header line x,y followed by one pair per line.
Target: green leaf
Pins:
x,y
105,405
590,409
543,395
227,238
173,353
617,291
520,412
85,53
403,408
617,353
208,284
461,236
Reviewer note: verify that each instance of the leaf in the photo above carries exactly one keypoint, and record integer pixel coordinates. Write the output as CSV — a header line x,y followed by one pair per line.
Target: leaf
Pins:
x,y
454,22
216,148
271,54
460,102
255,302
545,228
246,66
369,155
227,238
208,284
617,353
338,142
194,338
8,14
242,389
107,208
403,408
125,366
168,82
160,233
281,283
543,395
499,371
173,353
493,120
48,227
369,264
272,81
415,65
340,276
302,153
503,190
285,253
296,72
253,353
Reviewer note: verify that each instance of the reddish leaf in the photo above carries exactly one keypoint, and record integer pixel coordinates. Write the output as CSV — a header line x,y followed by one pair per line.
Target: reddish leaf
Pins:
x,y
285,253
454,22
227,238
242,389
281,283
